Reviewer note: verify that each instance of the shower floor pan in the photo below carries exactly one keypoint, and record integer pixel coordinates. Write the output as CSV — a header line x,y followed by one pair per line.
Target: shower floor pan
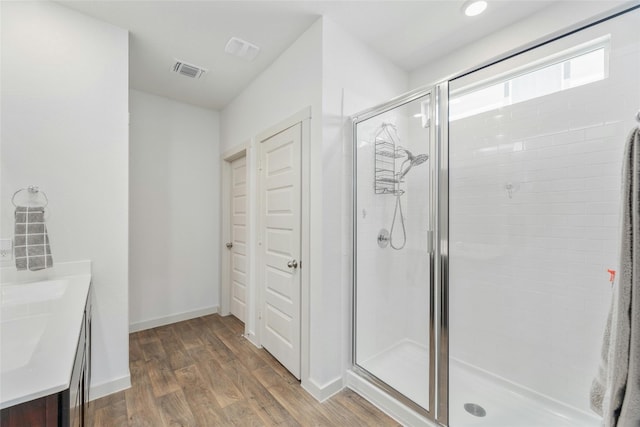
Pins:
x,y
489,403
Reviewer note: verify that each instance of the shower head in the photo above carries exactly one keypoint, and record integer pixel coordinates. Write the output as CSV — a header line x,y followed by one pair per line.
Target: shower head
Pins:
x,y
415,160
419,159
412,160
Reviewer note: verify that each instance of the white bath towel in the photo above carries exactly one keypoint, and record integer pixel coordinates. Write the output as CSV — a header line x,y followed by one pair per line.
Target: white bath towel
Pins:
x,y
615,392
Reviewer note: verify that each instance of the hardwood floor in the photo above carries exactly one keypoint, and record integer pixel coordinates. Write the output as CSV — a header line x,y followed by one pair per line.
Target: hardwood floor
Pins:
x,y
202,372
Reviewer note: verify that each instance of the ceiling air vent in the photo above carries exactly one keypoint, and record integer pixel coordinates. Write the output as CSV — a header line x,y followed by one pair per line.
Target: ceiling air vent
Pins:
x,y
242,49
188,70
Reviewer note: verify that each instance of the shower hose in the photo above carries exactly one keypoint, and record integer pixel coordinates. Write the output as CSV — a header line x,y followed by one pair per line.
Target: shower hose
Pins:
x,y
397,209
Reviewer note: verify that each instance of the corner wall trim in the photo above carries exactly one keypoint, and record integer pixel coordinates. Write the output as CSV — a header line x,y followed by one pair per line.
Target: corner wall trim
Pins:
x,y
167,320
324,392
100,390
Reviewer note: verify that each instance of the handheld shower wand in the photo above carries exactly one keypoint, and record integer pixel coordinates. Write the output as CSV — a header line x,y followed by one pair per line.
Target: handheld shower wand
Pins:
x,y
410,162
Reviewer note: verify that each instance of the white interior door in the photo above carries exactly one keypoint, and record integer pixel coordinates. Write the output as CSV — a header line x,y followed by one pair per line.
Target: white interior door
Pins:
x,y
238,248
280,163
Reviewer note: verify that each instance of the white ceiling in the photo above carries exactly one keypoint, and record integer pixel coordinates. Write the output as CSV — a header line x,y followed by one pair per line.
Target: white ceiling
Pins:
x,y
409,33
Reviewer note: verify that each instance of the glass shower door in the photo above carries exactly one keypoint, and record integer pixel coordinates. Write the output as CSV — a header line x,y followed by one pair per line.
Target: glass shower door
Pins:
x,y
393,256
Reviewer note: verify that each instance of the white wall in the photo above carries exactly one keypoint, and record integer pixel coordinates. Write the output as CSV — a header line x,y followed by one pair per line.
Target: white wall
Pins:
x,y
174,211
354,78
291,83
64,128
554,20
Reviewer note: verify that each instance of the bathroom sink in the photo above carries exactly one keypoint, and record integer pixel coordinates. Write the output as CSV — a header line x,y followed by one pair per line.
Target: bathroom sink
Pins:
x,y
41,318
24,312
20,338
29,293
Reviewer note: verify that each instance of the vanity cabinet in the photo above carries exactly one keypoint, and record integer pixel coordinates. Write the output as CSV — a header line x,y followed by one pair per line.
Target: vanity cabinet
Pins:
x,y
68,407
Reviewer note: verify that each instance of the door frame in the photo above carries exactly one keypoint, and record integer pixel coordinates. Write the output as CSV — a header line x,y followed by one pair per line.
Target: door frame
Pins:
x,y
304,118
251,149
225,232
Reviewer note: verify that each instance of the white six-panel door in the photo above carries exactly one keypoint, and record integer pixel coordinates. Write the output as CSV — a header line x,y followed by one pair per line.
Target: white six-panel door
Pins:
x,y
239,238
280,223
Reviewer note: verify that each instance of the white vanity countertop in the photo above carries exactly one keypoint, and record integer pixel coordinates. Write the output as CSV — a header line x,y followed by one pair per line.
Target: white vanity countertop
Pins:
x,y
40,322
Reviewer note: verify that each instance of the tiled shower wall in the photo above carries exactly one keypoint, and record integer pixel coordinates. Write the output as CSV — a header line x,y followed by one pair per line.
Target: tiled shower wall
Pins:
x,y
534,214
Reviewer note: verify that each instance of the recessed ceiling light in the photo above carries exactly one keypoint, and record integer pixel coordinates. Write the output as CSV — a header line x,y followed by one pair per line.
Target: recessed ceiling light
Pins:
x,y
474,7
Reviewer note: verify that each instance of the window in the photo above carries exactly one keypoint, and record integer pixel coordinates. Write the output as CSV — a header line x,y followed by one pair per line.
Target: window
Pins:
x,y
579,66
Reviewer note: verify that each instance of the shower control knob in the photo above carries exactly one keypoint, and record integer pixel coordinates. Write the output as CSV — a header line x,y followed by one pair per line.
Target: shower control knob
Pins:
x,y
292,264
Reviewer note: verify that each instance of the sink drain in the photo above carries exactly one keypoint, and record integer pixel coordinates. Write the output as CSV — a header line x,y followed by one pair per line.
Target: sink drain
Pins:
x,y
475,409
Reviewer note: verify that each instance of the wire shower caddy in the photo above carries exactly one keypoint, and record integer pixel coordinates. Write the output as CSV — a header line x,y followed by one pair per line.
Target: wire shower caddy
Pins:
x,y
386,152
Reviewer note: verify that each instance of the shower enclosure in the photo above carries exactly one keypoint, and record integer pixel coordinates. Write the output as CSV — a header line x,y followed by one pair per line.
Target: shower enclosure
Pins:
x,y
485,219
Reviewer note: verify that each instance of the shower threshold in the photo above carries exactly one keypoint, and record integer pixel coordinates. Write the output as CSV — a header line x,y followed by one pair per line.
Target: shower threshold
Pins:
x,y
405,367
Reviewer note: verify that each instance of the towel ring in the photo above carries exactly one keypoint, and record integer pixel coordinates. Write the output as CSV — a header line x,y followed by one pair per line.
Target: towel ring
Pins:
x,y
32,189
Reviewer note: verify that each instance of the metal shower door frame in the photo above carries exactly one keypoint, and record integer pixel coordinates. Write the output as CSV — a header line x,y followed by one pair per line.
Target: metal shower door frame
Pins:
x,y
435,142
440,210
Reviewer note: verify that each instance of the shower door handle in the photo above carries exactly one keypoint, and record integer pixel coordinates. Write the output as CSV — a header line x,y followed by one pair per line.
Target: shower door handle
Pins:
x,y
292,264
430,241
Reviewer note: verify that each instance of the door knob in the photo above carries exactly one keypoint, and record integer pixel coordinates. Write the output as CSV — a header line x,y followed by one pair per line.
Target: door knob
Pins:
x,y
229,245
292,264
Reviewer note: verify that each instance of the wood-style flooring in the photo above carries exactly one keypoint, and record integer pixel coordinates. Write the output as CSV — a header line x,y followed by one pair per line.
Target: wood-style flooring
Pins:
x,y
202,372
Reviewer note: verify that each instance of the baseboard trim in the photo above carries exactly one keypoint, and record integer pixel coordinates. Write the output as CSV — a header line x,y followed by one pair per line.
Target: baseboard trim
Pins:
x,y
386,403
167,320
324,392
104,389
253,339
